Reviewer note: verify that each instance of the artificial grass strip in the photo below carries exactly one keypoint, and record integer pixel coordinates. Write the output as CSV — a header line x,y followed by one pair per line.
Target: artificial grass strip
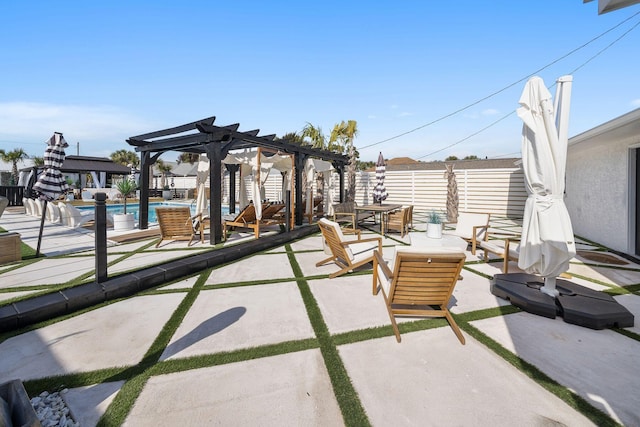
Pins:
x,y
577,402
124,400
352,410
59,382
207,360
121,405
627,333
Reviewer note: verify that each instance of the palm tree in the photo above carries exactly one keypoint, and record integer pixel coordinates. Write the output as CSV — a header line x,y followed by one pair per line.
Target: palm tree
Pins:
x,y
13,157
190,158
126,158
37,161
314,134
164,169
343,135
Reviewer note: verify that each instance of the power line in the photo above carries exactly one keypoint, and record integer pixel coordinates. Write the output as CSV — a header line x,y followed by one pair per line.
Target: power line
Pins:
x,y
511,85
468,137
554,83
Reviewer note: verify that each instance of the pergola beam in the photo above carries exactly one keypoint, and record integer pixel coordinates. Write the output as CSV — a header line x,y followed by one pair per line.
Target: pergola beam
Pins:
x,y
174,130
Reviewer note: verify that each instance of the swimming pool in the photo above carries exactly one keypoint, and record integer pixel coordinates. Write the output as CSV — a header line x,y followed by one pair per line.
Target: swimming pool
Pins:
x,y
134,208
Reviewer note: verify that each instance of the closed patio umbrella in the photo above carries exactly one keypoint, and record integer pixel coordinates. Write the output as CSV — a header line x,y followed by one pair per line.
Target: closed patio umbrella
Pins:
x,y
379,191
202,205
51,184
547,243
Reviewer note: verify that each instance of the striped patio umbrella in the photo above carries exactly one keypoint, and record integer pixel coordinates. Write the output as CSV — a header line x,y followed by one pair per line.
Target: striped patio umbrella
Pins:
x,y
51,184
379,191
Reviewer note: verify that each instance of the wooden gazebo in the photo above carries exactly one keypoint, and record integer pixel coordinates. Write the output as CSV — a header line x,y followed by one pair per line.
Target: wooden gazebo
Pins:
x,y
203,137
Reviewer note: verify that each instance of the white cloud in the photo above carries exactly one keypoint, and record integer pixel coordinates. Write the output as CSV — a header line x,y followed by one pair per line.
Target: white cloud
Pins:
x,y
490,112
101,127
635,103
405,114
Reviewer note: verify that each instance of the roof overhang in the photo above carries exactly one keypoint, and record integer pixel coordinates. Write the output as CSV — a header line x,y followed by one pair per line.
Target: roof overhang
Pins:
x,y
621,128
605,6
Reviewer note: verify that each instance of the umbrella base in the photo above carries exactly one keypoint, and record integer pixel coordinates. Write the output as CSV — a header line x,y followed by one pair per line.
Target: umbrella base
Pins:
x,y
576,304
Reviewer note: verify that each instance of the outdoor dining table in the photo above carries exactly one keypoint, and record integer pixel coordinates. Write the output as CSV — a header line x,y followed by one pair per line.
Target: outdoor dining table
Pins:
x,y
378,208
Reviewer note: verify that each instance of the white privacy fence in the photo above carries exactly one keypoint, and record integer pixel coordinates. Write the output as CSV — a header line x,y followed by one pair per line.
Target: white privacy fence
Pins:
x,y
500,192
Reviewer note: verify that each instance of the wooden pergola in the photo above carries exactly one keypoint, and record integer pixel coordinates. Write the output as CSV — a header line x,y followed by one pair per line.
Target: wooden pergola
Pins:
x,y
203,137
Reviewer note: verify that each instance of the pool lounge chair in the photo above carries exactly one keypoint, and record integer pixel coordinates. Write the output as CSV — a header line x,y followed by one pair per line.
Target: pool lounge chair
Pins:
x,y
418,281
271,215
74,217
53,212
178,224
347,254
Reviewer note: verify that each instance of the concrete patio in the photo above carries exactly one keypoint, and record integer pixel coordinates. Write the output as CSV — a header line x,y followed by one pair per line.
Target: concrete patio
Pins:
x,y
271,340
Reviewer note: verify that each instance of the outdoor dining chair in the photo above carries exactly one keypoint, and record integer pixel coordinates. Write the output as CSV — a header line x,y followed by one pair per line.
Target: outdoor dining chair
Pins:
x,y
399,220
347,254
419,283
345,213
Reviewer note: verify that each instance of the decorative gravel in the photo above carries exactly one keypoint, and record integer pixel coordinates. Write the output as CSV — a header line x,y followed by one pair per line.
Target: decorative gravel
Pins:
x,y
52,410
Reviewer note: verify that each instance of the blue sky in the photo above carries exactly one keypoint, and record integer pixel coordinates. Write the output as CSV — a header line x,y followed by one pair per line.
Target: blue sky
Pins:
x,y
101,72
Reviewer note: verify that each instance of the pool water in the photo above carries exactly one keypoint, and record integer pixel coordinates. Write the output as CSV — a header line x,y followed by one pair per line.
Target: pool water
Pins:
x,y
134,208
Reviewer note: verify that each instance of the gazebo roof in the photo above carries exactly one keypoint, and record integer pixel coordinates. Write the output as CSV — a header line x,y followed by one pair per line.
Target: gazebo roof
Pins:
x,y
81,164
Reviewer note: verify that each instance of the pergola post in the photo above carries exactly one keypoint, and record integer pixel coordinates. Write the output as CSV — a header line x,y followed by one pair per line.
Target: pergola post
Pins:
x,y
299,160
233,169
145,167
340,169
214,153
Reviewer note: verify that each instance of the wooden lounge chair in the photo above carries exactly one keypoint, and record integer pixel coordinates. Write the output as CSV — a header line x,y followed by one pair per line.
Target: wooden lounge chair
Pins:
x,y
271,214
399,220
315,211
245,219
420,283
178,224
471,227
347,254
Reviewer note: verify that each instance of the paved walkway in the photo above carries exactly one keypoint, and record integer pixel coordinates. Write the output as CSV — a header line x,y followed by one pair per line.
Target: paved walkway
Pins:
x,y
270,340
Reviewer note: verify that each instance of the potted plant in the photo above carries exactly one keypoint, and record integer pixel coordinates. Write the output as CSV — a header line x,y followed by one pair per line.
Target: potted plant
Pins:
x,y
125,221
434,225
